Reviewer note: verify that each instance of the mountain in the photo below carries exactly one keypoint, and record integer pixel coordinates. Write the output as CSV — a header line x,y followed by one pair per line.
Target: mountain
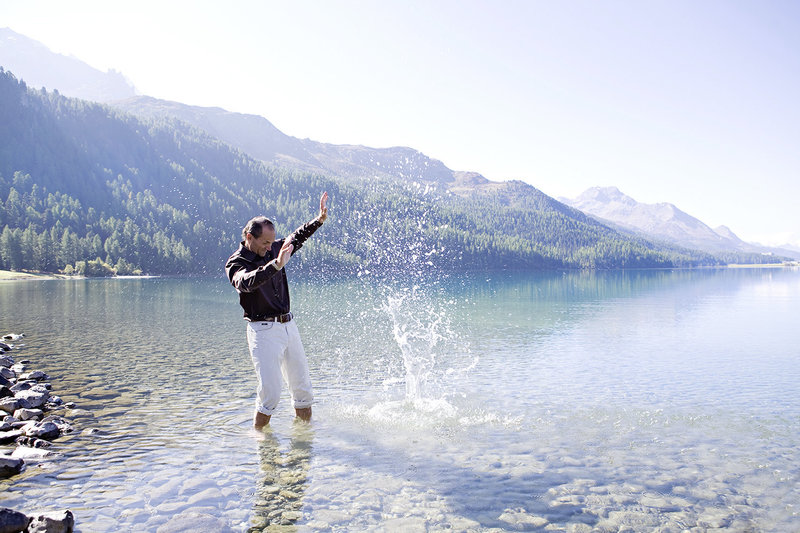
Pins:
x,y
83,183
259,138
663,221
40,67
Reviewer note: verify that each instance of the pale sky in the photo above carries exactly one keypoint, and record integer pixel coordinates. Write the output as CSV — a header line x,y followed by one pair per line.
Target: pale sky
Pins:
x,y
680,101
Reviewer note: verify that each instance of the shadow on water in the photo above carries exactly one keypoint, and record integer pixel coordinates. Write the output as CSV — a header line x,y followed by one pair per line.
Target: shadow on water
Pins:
x,y
420,488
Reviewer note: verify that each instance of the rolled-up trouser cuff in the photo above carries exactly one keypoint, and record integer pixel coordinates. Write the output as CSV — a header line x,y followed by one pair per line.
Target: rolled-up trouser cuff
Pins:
x,y
264,410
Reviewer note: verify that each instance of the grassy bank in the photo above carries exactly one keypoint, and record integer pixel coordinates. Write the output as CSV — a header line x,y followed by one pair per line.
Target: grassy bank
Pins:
x,y
13,275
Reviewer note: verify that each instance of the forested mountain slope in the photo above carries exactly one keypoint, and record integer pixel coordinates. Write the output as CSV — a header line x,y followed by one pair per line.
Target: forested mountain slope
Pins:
x,y
80,181
259,138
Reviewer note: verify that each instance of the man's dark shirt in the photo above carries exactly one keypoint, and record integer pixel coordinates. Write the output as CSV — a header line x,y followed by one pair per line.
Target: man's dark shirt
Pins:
x,y
263,290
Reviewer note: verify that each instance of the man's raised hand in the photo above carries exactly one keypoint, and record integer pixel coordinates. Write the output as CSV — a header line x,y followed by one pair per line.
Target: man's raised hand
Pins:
x,y
323,208
284,255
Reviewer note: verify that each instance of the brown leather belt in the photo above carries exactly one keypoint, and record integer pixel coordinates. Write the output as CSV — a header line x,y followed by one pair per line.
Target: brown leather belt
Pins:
x,y
280,318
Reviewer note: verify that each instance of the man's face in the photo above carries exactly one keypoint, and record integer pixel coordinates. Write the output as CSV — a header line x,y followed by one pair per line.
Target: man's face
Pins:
x,y
261,244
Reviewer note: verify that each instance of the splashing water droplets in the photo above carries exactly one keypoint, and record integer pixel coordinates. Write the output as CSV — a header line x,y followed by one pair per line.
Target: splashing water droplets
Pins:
x,y
418,327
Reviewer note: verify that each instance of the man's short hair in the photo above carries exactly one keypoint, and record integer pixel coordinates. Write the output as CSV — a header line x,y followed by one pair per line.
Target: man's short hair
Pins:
x,y
256,225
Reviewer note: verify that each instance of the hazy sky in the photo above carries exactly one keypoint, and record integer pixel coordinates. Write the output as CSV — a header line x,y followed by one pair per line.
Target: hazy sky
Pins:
x,y
689,102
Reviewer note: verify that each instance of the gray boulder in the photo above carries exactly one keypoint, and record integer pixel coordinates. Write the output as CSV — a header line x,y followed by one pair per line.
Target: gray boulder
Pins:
x,y
7,437
7,373
12,521
10,466
54,401
31,442
41,430
56,522
6,361
22,385
28,414
9,405
5,382
34,398
63,425
36,375
5,392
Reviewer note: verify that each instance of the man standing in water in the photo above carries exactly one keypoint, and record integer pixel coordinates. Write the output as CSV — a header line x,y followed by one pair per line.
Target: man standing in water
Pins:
x,y
256,272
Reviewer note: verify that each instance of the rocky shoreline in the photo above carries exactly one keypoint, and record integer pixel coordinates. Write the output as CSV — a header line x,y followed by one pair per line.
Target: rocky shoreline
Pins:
x,y
29,424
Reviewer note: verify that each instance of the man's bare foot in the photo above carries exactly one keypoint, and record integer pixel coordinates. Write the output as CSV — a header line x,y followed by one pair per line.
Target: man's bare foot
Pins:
x,y
303,413
260,421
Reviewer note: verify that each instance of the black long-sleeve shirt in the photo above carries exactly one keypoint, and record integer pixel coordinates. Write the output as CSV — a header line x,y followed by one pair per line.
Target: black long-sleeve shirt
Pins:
x,y
264,290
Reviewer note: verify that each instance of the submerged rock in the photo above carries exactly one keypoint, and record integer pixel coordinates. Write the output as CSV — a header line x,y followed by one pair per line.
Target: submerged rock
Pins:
x,y
31,455
193,521
13,336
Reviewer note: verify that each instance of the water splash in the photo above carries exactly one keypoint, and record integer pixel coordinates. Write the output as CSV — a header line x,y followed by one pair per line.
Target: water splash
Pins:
x,y
413,327
418,327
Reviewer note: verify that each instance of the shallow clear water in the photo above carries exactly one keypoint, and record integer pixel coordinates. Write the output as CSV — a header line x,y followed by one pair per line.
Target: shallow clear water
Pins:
x,y
561,401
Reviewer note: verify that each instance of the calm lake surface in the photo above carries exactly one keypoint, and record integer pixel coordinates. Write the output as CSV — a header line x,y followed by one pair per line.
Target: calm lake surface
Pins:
x,y
581,401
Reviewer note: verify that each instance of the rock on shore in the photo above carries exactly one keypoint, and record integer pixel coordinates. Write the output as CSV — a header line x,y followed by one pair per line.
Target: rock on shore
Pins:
x,y
27,422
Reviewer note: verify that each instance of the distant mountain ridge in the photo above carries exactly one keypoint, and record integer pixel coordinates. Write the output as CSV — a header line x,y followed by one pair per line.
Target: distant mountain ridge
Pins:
x,y
258,137
663,221
41,67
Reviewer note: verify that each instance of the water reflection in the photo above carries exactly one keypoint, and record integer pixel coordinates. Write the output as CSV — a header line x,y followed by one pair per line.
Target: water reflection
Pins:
x,y
279,492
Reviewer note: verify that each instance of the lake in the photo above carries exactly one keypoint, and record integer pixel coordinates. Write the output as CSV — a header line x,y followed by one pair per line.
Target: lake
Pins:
x,y
562,401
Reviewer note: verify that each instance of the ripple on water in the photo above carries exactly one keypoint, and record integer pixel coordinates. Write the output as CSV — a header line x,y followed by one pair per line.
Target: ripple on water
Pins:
x,y
598,414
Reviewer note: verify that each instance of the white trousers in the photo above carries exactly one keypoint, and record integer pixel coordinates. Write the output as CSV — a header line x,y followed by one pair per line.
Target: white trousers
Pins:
x,y
277,351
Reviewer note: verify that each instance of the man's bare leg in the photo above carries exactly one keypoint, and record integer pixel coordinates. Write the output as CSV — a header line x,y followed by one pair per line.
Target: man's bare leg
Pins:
x,y
303,413
260,420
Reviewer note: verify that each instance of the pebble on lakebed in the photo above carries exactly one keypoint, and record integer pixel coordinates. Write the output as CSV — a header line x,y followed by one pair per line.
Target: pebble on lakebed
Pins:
x,y
29,424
